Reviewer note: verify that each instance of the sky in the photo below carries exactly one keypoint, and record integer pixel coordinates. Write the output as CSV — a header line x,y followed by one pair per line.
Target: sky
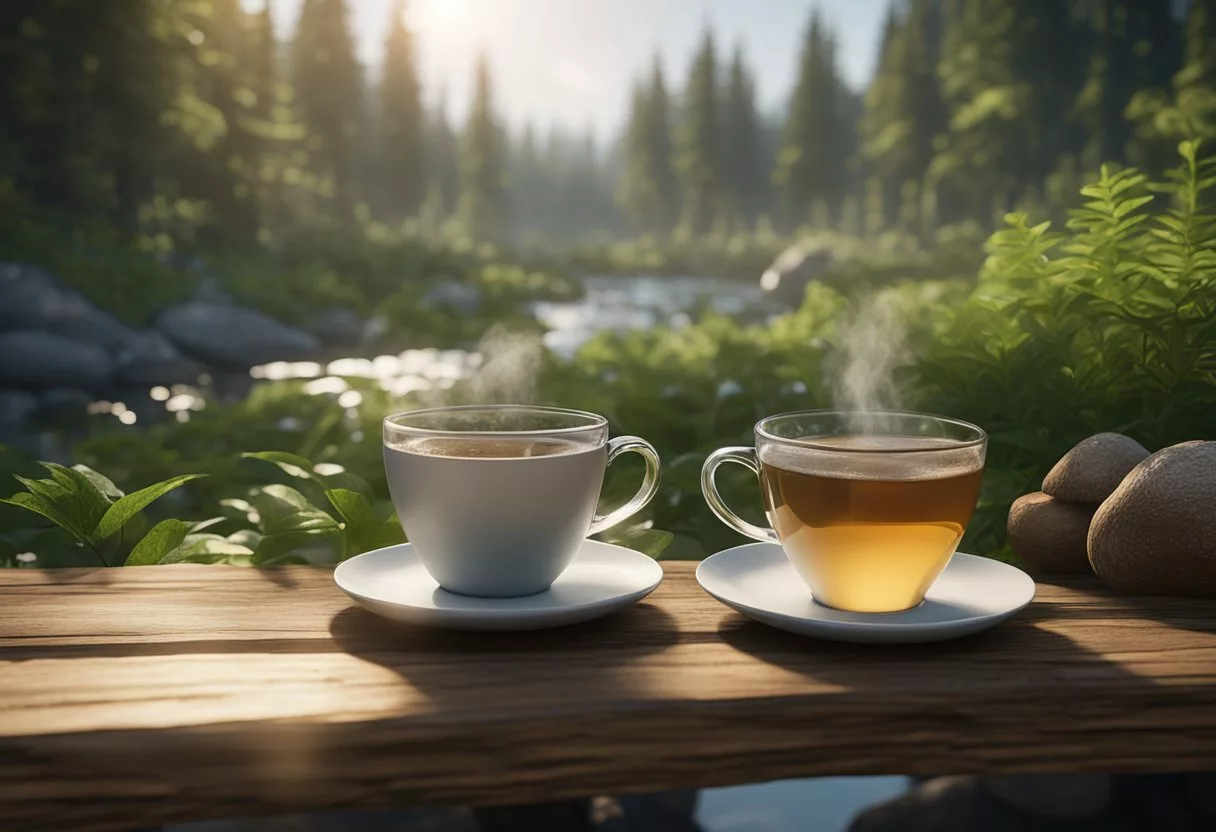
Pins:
x,y
570,63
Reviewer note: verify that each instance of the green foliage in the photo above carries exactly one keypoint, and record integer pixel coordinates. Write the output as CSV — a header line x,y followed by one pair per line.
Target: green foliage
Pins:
x,y
812,160
743,156
90,508
329,90
646,190
698,160
482,203
1107,327
402,124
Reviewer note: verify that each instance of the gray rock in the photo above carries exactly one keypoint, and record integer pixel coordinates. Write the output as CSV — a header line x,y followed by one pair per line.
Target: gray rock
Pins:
x,y
63,406
35,300
1056,796
943,804
232,335
16,406
462,297
209,289
147,359
337,327
37,359
787,278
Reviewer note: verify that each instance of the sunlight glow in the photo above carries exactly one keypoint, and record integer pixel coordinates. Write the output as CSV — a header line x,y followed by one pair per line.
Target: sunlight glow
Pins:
x,y
433,15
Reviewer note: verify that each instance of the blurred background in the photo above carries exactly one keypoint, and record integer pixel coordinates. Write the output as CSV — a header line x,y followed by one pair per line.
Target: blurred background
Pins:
x,y
236,225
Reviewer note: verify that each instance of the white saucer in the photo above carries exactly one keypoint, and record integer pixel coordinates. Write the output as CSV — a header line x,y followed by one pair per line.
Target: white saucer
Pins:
x,y
602,579
971,595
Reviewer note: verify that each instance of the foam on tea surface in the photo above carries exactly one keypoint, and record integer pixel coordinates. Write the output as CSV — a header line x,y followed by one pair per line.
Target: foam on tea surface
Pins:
x,y
870,521
875,457
490,447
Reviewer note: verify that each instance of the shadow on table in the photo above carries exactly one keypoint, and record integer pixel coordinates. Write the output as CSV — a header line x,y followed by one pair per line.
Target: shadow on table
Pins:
x,y
521,677
525,666
1072,684
983,659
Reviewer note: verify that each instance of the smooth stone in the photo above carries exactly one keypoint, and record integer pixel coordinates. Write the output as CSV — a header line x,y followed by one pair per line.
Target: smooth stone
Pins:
x,y
35,300
944,804
788,276
64,405
337,327
16,406
38,359
232,335
462,297
1056,796
148,359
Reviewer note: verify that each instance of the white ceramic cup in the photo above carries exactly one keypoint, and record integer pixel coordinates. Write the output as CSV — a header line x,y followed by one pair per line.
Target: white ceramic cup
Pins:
x,y
497,499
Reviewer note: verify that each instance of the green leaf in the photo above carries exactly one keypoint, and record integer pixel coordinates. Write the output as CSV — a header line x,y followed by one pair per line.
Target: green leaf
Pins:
x,y
60,504
161,539
202,525
32,502
283,509
246,537
364,530
348,481
282,546
104,484
354,509
292,464
85,499
205,548
132,504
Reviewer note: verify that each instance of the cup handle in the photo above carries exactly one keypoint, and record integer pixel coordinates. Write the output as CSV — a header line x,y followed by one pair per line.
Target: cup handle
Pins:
x,y
650,483
709,487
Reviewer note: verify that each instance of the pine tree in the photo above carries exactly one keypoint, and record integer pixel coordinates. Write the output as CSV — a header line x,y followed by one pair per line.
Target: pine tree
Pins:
x,y
667,186
402,124
482,165
1200,39
885,124
443,186
904,110
984,154
637,192
810,164
743,163
646,190
223,170
698,158
263,59
328,84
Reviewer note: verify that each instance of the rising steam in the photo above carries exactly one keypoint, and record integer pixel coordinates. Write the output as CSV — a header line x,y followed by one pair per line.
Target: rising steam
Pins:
x,y
510,364
871,347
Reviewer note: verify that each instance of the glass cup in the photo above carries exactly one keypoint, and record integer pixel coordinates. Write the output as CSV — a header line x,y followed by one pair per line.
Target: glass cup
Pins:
x,y
497,499
867,505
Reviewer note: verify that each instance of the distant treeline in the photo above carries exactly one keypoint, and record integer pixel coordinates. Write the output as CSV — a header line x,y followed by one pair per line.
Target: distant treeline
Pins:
x,y
187,121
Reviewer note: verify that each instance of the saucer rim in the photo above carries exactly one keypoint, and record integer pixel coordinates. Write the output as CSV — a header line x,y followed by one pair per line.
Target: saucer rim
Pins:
x,y
874,623
502,610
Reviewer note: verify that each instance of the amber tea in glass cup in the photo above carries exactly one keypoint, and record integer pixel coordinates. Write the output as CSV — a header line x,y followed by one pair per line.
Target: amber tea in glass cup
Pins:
x,y
868,506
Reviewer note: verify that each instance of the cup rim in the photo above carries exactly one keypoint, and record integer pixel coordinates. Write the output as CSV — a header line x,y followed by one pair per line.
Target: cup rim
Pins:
x,y
981,436
594,420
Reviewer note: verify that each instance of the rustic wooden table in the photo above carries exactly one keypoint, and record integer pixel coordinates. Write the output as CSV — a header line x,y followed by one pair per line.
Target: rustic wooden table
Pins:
x,y
133,697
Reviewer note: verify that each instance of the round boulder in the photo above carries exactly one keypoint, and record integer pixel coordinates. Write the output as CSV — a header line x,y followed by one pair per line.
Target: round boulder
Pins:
x,y
1049,534
36,359
1156,534
1093,469
232,336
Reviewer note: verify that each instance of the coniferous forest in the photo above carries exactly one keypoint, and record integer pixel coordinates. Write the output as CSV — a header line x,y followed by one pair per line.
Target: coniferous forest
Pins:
x,y
269,246
188,119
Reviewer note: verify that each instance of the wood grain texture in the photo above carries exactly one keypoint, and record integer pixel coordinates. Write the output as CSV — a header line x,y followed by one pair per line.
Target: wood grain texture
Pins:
x,y
136,697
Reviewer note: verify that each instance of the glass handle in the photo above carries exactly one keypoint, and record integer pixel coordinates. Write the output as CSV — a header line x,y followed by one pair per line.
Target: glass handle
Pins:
x,y
747,458
650,483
